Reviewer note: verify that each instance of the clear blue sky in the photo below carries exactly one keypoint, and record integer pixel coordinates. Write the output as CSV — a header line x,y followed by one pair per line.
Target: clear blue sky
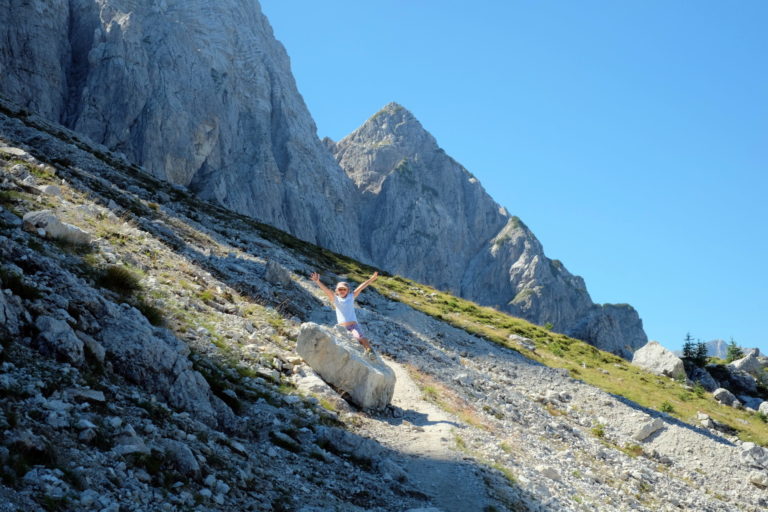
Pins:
x,y
630,136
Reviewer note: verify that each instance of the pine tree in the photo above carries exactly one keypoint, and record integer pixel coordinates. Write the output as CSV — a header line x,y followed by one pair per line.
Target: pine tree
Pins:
x,y
734,352
689,350
702,355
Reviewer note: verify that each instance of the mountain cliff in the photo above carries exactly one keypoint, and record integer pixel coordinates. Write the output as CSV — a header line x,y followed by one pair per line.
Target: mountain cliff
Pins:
x,y
426,217
201,95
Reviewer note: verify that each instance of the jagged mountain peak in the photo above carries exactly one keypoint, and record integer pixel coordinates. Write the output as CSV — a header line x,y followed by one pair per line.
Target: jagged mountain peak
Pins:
x,y
395,126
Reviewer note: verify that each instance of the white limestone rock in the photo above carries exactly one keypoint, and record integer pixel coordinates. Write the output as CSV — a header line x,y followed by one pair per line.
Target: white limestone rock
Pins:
x,y
309,382
657,359
646,428
277,274
759,478
55,229
749,364
57,339
339,360
9,313
724,396
158,360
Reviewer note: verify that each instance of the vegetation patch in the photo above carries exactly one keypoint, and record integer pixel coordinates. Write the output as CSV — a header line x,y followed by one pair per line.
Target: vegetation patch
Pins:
x,y
120,279
447,399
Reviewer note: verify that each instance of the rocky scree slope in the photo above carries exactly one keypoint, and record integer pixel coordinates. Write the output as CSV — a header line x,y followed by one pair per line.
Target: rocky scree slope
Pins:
x,y
201,94
428,218
203,413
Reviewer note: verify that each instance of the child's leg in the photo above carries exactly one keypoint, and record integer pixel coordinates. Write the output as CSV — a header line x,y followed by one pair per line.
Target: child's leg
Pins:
x,y
357,333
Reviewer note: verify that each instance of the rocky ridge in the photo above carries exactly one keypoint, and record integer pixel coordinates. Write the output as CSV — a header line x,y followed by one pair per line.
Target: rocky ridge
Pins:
x,y
102,432
202,95
426,217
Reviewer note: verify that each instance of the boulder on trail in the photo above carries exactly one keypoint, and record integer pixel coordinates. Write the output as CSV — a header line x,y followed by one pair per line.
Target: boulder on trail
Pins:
x,y
339,360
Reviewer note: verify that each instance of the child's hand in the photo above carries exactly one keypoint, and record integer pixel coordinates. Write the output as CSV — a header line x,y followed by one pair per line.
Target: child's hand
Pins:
x,y
375,276
315,277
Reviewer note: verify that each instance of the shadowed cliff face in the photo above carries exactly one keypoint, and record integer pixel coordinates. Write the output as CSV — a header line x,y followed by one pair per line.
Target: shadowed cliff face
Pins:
x,y
201,94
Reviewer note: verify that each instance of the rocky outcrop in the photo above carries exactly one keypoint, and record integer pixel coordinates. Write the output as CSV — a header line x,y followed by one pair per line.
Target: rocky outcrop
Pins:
x,y
749,364
339,360
466,243
703,377
657,359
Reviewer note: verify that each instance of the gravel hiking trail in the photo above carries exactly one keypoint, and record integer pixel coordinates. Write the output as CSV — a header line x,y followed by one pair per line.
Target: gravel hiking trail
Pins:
x,y
426,437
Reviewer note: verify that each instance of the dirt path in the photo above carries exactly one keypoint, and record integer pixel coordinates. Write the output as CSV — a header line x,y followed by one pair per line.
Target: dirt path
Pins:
x,y
425,435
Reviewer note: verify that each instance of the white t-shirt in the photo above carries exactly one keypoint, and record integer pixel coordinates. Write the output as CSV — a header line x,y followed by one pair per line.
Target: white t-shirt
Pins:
x,y
345,308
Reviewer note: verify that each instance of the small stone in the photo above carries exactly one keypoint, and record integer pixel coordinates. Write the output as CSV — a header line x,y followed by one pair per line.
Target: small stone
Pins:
x,y
759,478
114,421
51,190
88,497
548,472
84,424
87,435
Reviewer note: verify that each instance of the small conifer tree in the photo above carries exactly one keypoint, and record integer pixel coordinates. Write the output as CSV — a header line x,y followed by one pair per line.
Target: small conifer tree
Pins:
x,y
702,355
689,350
695,353
734,352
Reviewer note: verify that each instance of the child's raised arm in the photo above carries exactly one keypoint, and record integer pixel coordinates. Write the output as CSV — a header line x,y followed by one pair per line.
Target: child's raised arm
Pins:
x,y
316,278
366,283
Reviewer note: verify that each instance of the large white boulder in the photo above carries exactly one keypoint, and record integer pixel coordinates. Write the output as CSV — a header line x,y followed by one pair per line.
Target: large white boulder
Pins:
x,y
657,359
46,224
749,364
339,360
646,427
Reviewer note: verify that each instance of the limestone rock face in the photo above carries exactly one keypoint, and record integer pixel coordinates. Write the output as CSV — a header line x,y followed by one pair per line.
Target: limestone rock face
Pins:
x,y
152,356
657,359
35,54
426,217
199,93
370,383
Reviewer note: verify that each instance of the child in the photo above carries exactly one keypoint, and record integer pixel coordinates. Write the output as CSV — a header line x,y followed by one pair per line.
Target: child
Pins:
x,y
344,303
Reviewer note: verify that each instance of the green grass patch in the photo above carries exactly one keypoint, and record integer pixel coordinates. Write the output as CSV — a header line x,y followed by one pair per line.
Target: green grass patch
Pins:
x,y
120,279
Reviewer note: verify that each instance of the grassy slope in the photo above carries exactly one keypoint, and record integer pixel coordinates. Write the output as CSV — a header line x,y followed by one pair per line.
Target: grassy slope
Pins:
x,y
585,362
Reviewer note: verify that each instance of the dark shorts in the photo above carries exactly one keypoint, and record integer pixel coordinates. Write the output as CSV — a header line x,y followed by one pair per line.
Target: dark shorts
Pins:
x,y
355,330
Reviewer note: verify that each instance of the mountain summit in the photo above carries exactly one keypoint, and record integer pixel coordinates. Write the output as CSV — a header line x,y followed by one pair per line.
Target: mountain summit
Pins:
x,y
390,137
423,215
